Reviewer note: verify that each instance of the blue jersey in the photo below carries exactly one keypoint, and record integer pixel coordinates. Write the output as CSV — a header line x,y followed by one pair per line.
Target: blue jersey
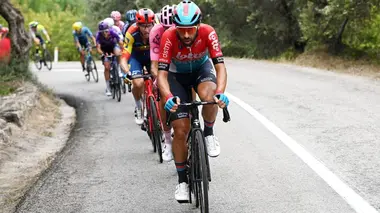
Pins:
x,y
82,36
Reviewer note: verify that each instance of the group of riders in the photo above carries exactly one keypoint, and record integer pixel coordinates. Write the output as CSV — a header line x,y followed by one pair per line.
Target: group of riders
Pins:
x,y
180,52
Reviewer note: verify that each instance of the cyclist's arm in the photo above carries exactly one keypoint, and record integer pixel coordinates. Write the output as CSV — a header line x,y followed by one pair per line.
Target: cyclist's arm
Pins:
x,y
98,47
154,43
76,40
43,30
164,61
127,51
217,59
89,34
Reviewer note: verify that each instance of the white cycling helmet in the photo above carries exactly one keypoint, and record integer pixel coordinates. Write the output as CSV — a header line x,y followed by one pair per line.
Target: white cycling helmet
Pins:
x,y
166,15
109,21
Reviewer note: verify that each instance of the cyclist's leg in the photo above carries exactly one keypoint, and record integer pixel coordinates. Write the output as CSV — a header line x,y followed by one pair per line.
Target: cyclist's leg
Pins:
x,y
82,54
39,41
181,127
107,67
205,87
137,88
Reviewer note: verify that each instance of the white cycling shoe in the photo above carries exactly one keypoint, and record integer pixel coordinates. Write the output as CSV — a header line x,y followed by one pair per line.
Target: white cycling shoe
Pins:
x,y
212,145
167,154
182,193
138,117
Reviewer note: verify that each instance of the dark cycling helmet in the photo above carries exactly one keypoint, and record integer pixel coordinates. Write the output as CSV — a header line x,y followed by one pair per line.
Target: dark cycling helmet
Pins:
x,y
130,16
103,26
187,13
145,15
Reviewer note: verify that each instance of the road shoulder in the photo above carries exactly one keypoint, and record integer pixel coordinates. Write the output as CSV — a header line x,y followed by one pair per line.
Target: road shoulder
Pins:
x,y
34,128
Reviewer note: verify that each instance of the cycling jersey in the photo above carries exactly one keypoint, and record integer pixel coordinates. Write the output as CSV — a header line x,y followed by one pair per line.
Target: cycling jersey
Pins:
x,y
39,31
189,59
134,41
82,36
154,41
118,31
108,44
135,51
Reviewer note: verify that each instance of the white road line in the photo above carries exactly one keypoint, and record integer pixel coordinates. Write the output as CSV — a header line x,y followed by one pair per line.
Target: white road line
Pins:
x,y
352,198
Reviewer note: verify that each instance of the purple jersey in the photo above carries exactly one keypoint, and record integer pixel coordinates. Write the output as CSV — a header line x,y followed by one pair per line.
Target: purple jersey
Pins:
x,y
111,41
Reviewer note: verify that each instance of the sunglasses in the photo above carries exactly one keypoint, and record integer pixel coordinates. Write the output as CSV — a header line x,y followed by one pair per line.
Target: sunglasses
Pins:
x,y
189,30
145,25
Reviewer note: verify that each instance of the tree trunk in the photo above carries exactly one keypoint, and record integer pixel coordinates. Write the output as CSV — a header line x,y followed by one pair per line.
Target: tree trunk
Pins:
x,y
338,46
21,41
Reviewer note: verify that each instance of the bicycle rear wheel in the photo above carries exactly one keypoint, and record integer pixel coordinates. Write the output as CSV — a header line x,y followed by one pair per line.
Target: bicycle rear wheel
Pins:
x,y
36,59
48,60
117,80
201,172
157,130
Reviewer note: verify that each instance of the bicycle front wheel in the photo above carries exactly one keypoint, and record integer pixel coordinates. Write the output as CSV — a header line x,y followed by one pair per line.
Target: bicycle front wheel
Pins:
x,y
48,59
156,126
94,71
201,172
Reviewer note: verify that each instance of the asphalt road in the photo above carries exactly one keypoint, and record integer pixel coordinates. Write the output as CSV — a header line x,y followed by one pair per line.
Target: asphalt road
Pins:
x,y
109,165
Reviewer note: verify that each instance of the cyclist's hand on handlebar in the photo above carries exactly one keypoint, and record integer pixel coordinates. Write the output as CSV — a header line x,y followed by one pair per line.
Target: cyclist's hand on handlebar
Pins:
x,y
172,103
222,100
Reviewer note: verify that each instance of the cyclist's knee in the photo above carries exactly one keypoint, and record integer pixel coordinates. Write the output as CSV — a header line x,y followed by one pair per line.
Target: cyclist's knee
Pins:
x,y
181,128
206,91
138,83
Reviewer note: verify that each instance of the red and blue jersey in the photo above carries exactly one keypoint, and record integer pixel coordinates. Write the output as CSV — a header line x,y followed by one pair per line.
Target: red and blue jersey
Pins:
x,y
189,59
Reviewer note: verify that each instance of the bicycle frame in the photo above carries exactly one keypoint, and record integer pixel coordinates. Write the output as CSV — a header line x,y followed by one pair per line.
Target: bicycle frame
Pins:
x,y
148,92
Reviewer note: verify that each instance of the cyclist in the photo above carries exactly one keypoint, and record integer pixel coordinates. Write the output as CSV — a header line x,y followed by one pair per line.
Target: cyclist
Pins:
x,y
116,16
112,25
189,46
5,46
154,41
157,18
36,31
130,18
80,34
3,32
137,54
108,42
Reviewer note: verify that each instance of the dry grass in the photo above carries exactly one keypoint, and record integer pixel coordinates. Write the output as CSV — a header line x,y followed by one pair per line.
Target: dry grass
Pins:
x,y
321,59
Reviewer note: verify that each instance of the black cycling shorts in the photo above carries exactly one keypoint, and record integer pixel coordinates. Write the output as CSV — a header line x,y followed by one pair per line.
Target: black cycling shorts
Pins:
x,y
182,83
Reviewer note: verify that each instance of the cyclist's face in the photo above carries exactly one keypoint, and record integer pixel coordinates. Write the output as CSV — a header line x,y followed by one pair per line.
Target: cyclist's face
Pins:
x,y
106,33
34,29
145,29
187,34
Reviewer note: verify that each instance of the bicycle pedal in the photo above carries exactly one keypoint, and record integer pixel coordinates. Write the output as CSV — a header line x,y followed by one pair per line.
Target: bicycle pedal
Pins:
x,y
183,201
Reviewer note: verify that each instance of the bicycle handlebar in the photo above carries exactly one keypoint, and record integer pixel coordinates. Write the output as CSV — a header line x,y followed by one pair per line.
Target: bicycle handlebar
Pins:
x,y
226,114
139,76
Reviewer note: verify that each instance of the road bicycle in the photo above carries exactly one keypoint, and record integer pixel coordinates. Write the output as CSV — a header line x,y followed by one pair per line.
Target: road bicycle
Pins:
x,y
152,124
46,58
115,79
90,66
198,167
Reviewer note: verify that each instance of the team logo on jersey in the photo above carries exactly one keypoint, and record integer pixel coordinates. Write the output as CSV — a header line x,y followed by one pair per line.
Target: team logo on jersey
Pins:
x,y
157,39
214,41
181,56
167,46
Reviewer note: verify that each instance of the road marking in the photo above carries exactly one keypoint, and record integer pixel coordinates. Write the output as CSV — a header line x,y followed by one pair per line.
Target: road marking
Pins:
x,y
352,198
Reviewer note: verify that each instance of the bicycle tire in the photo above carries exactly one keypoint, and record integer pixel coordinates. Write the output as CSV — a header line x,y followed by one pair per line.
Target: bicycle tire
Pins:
x,y
48,59
123,86
88,70
118,84
148,126
157,131
94,71
37,62
201,174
